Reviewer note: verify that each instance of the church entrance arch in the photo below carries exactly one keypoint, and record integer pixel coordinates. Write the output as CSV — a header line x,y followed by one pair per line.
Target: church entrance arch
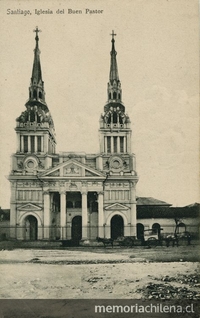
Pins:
x,y
76,229
117,226
31,228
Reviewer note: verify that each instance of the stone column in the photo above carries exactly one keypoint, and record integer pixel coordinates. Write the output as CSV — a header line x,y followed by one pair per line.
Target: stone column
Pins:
x,y
46,143
84,216
100,215
124,144
18,142
42,143
63,217
46,223
105,144
111,144
22,144
128,146
101,139
133,213
118,144
36,144
29,143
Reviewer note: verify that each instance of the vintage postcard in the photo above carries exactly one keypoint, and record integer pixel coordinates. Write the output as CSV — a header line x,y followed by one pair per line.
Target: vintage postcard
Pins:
x,y
99,158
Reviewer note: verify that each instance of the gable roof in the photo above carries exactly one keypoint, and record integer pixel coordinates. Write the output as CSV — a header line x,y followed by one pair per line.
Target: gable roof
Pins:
x,y
151,201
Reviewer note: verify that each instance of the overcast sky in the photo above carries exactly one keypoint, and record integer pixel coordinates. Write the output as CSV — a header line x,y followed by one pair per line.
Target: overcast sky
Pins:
x,y
157,55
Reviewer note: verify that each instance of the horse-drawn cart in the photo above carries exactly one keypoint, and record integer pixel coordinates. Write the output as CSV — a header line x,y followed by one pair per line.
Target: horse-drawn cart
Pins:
x,y
125,241
152,237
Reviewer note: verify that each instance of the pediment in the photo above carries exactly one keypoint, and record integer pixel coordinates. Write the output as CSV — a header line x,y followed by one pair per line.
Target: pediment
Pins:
x,y
116,206
29,207
72,168
89,173
55,173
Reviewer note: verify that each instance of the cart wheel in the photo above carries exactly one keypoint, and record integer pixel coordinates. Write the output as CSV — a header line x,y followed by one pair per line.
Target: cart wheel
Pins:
x,y
152,241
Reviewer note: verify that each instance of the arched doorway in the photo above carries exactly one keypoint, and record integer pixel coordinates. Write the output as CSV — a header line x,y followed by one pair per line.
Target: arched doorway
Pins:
x,y
31,228
76,229
117,227
140,231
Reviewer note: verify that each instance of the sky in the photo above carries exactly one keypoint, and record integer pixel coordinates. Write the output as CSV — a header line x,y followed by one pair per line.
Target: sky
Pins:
x,y
158,64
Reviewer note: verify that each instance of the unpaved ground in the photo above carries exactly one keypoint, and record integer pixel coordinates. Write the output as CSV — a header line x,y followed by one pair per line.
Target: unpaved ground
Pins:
x,y
105,274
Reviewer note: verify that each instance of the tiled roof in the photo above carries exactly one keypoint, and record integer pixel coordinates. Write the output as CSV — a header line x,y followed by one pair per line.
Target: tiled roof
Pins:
x,y
151,201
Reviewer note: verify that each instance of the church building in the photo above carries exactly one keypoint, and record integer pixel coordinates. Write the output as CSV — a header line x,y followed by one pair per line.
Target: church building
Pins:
x,y
72,195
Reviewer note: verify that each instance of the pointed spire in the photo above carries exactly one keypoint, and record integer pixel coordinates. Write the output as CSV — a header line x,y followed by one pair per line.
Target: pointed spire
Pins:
x,y
114,116
36,89
114,86
36,72
113,65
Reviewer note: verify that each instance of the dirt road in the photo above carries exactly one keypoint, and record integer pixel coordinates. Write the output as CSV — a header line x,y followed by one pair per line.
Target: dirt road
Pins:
x,y
105,274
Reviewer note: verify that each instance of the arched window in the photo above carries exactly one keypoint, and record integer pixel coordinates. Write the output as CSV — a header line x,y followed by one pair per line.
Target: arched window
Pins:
x,y
34,94
114,95
109,95
40,95
119,96
156,228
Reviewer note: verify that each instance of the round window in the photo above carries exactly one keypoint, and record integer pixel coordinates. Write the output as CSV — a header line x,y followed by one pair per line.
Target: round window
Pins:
x,y
30,164
116,163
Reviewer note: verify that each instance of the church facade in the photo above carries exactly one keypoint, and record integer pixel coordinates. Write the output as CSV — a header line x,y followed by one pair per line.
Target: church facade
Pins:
x,y
72,195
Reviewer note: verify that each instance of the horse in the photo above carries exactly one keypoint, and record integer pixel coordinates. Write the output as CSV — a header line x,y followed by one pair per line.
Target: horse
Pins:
x,y
105,241
171,238
185,235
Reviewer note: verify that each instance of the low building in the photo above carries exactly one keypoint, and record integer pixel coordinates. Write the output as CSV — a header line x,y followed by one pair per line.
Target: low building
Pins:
x,y
155,214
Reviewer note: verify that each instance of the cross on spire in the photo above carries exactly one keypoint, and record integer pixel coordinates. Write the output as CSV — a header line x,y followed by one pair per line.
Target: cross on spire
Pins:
x,y
36,31
113,34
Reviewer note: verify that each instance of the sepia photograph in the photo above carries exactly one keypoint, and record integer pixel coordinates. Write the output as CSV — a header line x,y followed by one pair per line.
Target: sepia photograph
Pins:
x,y
99,175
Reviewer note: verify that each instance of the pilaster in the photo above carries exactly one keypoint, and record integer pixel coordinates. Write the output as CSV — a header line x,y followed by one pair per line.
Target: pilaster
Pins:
x,y
46,196
124,144
133,213
18,142
100,215
84,215
63,217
